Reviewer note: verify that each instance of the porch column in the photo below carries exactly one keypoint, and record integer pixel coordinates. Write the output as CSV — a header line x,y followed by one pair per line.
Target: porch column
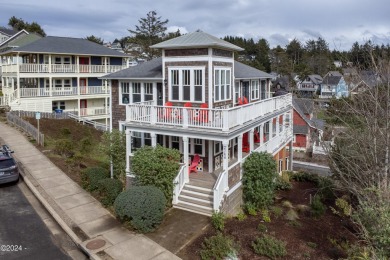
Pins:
x,y
78,108
185,159
277,126
154,139
261,134
49,63
211,164
78,64
128,151
51,87
251,140
17,76
239,152
283,118
78,86
270,130
290,159
225,145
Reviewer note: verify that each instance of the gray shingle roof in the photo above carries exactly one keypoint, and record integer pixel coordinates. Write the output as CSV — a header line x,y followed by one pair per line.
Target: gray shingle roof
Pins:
x,y
243,71
331,80
19,41
300,129
66,45
151,69
305,105
317,79
7,31
196,39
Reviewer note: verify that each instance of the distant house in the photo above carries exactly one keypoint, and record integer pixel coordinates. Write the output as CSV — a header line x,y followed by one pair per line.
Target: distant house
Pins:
x,y
306,130
59,74
280,85
334,85
6,33
366,79
309,86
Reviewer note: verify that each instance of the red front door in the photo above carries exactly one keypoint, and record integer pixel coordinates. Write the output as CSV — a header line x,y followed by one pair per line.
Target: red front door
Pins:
x,y
83,107
84,64
83,86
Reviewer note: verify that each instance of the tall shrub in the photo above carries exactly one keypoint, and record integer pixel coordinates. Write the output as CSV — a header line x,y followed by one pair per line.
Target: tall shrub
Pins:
x,y
258,179
156,166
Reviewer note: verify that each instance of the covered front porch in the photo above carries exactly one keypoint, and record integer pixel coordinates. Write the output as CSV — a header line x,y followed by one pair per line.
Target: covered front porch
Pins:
x,y
218,169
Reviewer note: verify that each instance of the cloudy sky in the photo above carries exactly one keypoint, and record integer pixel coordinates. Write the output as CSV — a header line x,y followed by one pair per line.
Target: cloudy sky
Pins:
x,y
339,22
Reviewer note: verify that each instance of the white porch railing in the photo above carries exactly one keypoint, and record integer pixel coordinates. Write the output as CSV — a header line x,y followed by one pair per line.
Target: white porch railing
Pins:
x,y
68,91
93,111
61,68
275,142
220,188
220,119
179,183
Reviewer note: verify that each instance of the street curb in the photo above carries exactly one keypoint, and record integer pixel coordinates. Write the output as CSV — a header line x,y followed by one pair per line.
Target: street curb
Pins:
x,y
56,217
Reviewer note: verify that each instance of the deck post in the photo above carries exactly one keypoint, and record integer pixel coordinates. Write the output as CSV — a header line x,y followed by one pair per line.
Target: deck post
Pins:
x,y
225,145
251,140
154,140
261,134
185,159
290,159
128,151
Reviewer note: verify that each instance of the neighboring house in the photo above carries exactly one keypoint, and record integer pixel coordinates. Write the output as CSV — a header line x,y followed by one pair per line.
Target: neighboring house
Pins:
x,y
365,80
310,86
62,74
334,85
196,98
6,33
280,85
306,129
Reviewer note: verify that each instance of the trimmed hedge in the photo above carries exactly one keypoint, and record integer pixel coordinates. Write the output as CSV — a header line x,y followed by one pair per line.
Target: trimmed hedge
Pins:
x,y
109,189
91,176
143,206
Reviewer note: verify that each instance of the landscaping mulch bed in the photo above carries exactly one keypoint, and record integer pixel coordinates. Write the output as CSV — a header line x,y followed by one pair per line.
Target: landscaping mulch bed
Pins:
x,y
324,237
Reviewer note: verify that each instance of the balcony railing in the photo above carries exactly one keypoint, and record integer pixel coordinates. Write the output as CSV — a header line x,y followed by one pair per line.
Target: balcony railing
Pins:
x,y
60,68
218,119
93,111
63,91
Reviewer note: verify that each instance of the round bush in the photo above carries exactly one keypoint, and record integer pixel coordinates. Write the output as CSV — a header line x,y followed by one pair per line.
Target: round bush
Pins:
x,y
109,189
91,177
143,205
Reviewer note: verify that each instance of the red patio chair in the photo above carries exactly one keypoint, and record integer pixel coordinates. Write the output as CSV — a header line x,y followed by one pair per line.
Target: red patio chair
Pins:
x,y
203,113
194,164
245,143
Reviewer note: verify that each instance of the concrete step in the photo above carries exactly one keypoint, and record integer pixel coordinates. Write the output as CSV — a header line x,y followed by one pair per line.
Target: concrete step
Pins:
x,y
198,201
207,211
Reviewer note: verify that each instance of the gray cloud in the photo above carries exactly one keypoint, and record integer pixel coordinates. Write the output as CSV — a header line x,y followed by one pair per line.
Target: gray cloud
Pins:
x,y
340,23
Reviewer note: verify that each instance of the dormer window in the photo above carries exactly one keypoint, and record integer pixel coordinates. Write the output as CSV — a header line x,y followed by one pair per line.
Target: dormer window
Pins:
x,y
186,84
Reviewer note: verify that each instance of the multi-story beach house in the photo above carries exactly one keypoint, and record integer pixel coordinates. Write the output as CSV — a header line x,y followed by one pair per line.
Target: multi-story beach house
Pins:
x,y
216,111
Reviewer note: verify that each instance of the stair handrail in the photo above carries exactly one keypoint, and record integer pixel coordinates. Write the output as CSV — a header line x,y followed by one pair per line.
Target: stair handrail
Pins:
x,y
178,184
220,188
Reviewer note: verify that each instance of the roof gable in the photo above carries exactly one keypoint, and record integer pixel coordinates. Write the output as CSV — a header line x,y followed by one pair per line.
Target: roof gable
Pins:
x,y
196,39
7,31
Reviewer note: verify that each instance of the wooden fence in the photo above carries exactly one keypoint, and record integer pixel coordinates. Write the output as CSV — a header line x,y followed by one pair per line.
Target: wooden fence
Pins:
x,y
14,119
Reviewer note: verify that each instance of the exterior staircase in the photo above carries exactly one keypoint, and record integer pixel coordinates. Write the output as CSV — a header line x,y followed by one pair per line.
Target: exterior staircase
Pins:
x,y
196,196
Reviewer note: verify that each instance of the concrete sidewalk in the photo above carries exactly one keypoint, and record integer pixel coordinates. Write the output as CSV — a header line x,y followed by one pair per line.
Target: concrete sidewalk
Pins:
x,y
89,224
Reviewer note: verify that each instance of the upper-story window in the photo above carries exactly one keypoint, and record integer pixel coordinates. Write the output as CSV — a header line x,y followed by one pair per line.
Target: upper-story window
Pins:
x,y
148,91
255,90
132,92
57,59
125,92
222,84
186,84
136,89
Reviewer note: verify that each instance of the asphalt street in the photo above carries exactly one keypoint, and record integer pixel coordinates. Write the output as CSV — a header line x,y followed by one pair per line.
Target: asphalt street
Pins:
x,y
23,234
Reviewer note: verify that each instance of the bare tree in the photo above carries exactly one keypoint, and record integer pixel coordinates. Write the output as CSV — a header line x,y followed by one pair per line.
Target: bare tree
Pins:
x,y
360,157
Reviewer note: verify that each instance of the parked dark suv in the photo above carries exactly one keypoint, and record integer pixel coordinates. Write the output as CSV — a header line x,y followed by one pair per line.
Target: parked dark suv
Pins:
x,y
9,171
